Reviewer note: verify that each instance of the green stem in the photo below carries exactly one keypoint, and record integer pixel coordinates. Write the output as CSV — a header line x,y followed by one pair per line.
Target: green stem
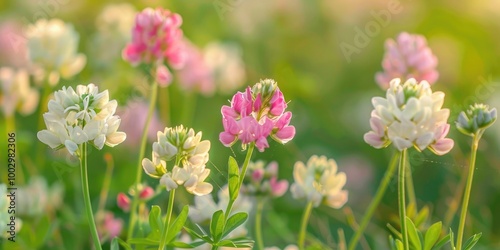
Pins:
x,y
468,187
374,204
168,217
401,199
303,227
135,200
258,224
86,196
242,177
410,188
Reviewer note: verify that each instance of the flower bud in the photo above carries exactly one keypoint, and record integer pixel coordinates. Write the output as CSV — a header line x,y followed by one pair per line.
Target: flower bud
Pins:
x,y
477,118
123,202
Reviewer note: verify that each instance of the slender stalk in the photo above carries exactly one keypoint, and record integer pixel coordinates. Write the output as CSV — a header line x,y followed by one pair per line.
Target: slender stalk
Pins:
x,y
86,196
303,227
242,177
374,203
468,187
135,199
410,188
401,199
258,224
168,217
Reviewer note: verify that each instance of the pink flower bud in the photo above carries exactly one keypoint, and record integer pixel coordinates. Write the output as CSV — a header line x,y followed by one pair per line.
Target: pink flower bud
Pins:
x,y
146,193
123,202
278,188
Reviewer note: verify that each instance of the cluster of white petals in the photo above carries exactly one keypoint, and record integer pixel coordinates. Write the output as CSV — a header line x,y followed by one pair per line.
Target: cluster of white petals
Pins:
x,y
77,117
190,154
318,182
410,115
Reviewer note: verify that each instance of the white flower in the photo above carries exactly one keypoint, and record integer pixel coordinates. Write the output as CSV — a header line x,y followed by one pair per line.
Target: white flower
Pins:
x,y
84,115
38,198
226,65
319,182
410,115
16,92
52,45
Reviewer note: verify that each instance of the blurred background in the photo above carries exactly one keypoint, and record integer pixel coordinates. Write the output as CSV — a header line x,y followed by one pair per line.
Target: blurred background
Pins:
x,y
299,44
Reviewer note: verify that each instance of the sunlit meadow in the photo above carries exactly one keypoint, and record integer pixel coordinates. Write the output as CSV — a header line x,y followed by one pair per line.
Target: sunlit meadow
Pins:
x,y
249,124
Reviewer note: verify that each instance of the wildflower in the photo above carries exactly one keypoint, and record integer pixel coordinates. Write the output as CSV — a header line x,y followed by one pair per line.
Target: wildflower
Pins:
x,y
77,117
109,226
133,117
255,115
226,65
410,115
476,119
123,202
196,75
408,57
190,154
156,39
52,45
319,182
13,45
16,92
264,181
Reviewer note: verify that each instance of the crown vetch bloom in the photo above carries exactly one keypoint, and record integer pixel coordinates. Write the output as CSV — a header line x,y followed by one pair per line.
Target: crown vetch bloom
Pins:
x,y
476,119
77,117
190,154
319,182
52,45
264,181
407,57
410,115
254,115
157,39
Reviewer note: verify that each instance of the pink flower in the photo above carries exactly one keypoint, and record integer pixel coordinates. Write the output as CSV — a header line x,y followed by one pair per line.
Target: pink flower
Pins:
x,y
196,75
263,180
146,193
157,39
13,45
109,226
123,202
278,188
408,57
133,119
254,115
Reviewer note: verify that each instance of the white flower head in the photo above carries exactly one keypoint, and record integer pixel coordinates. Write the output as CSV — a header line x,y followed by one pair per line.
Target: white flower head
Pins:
x,y
16,93
411,115
52,45
226,64
84,115
318,182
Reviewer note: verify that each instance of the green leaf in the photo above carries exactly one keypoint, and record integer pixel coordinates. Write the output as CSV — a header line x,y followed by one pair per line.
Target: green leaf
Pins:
x,y
234,178
413,234
226,243
442,242
432,235
394,231
193,233
180,244
116,240
144,241
217,225
399,245
155,222
472,241
233,222
422,216
178,223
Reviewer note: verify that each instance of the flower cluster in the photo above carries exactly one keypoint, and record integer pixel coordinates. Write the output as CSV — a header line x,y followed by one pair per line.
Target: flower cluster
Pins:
x,y
319,182
410,115
408,57
254,115
123,200
81,116
16,92
190,154
264,181
226,64
477,118
196,75
157,38
52,45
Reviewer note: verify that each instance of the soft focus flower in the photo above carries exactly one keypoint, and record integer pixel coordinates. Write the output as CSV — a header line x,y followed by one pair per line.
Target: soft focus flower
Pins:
x,y
133,119
4,214
145,193
225,63
264,181
84,115
13,45
38,198
123,202
16,92
108,226
408,57
190,154
476,119
205,206
196,75
53,45
254,115
410,115
319,182
156,39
